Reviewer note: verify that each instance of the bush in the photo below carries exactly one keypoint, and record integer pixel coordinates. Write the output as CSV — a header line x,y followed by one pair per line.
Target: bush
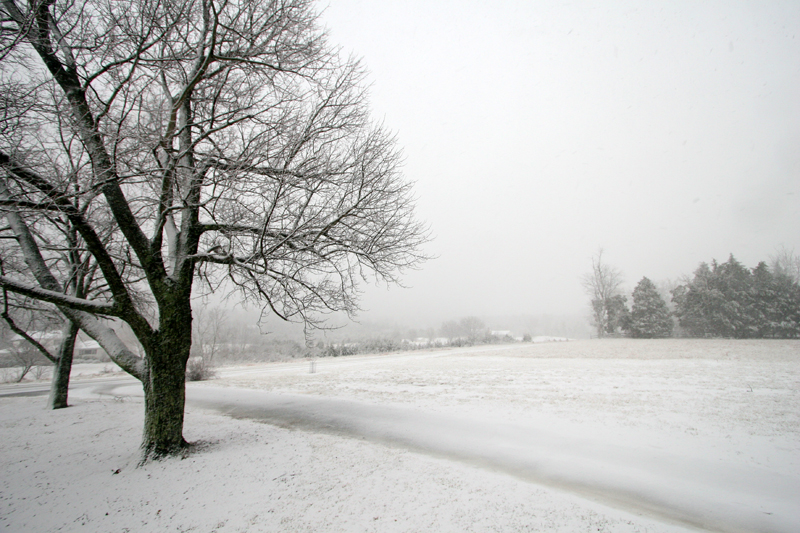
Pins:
x,y
198,370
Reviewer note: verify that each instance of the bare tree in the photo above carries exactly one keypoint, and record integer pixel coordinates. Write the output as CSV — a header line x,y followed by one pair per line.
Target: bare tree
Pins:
x,y
29,324
469,329
210,330
786,262
62,245
218,140
602,285
24,357
474,328
22,354
451,329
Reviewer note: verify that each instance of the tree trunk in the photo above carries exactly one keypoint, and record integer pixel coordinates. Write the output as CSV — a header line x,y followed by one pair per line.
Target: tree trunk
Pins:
x,y
59,385
165,385
164,398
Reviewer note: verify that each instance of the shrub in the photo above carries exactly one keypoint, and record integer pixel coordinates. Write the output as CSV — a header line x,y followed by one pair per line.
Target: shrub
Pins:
x,y
198,370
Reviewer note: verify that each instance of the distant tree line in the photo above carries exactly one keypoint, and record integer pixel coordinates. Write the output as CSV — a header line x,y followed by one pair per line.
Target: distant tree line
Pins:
x,y
720,300
467,331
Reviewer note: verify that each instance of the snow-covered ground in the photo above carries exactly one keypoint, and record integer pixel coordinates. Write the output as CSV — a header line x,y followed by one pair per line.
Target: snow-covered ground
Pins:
x,y
612,435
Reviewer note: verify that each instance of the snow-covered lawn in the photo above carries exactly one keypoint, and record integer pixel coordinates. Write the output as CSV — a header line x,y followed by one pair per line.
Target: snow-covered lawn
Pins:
x,y
708,425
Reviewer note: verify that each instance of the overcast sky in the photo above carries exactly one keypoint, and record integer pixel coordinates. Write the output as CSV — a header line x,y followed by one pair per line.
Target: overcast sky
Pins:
x,y
667,133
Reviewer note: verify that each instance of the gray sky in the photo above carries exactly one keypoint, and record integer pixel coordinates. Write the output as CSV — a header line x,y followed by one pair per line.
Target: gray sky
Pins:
x,y
667,133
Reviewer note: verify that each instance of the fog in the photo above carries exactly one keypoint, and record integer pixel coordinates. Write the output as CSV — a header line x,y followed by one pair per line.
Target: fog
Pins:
x,y
538,132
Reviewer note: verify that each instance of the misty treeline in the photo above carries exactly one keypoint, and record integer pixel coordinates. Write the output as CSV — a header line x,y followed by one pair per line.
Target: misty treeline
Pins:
x,y
222,337
219,334
465,331
726,300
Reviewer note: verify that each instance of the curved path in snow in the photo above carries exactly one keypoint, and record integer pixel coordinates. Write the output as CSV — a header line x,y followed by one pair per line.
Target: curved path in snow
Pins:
x,y
708,494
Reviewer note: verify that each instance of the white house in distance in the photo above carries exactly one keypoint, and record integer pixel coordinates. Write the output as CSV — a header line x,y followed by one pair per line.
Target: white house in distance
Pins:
x,y
85,347
89,349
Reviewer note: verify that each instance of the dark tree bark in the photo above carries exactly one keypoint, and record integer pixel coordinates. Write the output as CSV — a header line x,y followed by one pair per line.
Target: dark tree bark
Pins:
x,y
59,384
164,389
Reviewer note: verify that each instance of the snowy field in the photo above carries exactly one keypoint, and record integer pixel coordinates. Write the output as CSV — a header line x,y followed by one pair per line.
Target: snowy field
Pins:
x,y
585,436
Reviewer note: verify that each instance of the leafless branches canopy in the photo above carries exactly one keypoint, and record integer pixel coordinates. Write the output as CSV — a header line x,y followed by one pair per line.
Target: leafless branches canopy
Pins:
x,y
786,262
210,138
602,284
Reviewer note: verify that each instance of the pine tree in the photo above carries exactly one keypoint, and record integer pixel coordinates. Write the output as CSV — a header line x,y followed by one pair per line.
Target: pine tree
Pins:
x,y
735,282
650,317
732,301
776,303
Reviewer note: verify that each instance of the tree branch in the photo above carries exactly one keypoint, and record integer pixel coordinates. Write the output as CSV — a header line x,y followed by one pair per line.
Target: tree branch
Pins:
x,y
59,298
24,334
87,127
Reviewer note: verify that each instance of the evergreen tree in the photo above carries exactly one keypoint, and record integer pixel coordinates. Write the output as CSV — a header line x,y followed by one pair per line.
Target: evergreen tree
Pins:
x,y
649,317
717,302
776,308
619,316
696,302
730,300
735,282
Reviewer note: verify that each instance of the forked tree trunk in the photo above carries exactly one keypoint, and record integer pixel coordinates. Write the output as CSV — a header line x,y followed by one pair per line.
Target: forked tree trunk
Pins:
x,y
165,385
59,385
